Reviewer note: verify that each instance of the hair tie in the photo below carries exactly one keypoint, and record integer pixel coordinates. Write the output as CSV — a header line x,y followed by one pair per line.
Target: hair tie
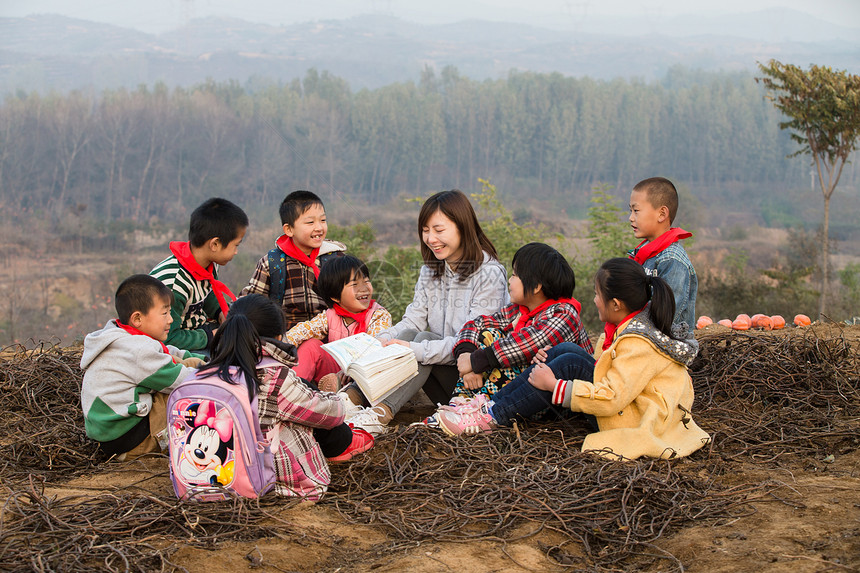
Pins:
x,y
648,289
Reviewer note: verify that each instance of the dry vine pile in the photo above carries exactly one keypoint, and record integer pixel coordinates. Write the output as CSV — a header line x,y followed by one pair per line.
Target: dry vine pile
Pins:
x,y
761,397
41,424
132,531
428,486
765,397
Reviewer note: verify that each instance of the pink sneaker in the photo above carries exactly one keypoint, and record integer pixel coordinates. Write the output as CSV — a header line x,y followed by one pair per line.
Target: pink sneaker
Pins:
x,y
466,420
461,403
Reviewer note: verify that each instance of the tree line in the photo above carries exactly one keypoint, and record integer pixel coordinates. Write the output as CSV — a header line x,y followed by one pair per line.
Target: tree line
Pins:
x,y
156,151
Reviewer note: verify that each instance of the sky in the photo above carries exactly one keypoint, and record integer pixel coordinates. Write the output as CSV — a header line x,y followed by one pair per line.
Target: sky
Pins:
x,y
155,16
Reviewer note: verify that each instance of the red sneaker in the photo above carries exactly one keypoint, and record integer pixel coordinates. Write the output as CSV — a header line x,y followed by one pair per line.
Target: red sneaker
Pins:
x,y
361,442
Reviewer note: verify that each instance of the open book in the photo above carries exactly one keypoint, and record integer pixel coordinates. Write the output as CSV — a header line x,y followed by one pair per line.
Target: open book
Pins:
x,y
377,369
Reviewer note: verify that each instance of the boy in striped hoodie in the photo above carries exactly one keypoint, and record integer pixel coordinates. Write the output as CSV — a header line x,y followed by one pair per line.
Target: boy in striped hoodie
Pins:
x,y
129,371
200,300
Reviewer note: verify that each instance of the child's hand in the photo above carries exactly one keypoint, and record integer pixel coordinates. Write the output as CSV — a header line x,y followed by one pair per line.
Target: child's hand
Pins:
x,y
540,356
542,378
192,362
473,381
396,341
464,364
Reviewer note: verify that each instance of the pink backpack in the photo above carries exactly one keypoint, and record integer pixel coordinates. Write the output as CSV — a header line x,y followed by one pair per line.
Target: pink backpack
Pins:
x,y
217,450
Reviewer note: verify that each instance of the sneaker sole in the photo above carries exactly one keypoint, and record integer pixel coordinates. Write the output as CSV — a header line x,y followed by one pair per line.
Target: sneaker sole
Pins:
x,y
468,431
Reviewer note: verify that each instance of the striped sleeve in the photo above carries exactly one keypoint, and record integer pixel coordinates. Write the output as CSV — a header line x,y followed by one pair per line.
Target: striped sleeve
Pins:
x,y
559,392
187,309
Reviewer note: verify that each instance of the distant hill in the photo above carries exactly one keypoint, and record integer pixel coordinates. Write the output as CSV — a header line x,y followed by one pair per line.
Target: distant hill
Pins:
x,y
54,52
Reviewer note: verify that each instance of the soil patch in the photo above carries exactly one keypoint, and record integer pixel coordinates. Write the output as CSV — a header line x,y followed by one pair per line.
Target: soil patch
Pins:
x,y
777,490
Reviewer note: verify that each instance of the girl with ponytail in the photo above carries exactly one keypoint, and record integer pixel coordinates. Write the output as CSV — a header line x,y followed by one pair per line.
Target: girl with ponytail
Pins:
x,y
636,387
306,426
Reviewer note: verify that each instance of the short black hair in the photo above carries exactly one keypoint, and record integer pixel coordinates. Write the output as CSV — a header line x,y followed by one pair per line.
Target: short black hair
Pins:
x,y
297,203
660,193
216,218
138,293
539,264
336,274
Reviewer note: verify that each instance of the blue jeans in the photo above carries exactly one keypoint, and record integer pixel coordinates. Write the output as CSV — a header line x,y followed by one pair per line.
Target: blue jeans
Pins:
x,y
567,361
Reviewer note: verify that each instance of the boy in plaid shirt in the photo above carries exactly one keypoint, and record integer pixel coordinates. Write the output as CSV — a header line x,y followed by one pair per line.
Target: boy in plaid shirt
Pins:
x,y
493,349
287,273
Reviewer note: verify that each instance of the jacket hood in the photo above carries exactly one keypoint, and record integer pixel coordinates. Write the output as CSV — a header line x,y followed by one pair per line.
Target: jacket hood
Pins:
x,y
96,342
682,351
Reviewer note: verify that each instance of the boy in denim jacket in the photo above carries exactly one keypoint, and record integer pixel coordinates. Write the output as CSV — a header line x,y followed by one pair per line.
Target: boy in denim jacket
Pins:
x,y
653,206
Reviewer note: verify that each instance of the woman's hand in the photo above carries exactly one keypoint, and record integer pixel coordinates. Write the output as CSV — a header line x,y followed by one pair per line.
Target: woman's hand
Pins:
x,y
473,381
396,341
542,378
540,355
464,364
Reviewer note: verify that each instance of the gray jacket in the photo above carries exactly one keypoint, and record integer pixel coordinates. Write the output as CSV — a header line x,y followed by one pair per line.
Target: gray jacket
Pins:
x,y
442,305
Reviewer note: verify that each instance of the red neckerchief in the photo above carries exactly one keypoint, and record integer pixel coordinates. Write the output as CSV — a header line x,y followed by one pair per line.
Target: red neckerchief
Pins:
x,y
609,328
526,316
360,318
287,245
136,332
658,245
182,252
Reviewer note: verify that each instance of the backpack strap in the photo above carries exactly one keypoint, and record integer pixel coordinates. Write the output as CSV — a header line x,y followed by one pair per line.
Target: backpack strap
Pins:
x,y
277,275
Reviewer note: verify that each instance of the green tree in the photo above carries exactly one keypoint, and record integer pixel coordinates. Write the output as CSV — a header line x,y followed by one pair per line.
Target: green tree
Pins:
x,y
823,110
850,279
498,223
609,237
607,228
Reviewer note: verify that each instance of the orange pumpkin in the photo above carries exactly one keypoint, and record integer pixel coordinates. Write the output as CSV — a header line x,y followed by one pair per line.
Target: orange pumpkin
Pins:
x,y
725,322
703,322
764,322
754,319
802,320
778,322
742,322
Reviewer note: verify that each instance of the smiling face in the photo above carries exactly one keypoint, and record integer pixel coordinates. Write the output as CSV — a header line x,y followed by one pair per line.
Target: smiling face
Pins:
x,y
441,235
356,294
156,321
647,221
309,229
203,448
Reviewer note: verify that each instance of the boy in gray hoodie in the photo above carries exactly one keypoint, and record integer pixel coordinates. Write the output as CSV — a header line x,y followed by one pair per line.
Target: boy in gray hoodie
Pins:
x,y
129,371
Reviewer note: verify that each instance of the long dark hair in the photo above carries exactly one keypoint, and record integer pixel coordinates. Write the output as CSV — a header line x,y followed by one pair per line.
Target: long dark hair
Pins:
x,y
456,206
626,280
239,340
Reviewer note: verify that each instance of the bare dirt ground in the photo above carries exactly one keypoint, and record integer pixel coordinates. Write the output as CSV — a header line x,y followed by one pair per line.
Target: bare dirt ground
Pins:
x,y
792,508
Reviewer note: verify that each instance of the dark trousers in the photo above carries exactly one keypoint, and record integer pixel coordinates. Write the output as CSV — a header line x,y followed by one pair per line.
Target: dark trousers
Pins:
x,y
333,441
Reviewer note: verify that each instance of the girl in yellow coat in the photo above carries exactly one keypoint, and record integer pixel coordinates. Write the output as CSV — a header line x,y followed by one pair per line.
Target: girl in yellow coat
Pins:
x,y
638,390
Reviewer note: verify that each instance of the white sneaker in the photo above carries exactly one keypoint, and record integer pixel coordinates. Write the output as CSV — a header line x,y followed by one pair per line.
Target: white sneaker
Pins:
x,y
349,408
368,420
